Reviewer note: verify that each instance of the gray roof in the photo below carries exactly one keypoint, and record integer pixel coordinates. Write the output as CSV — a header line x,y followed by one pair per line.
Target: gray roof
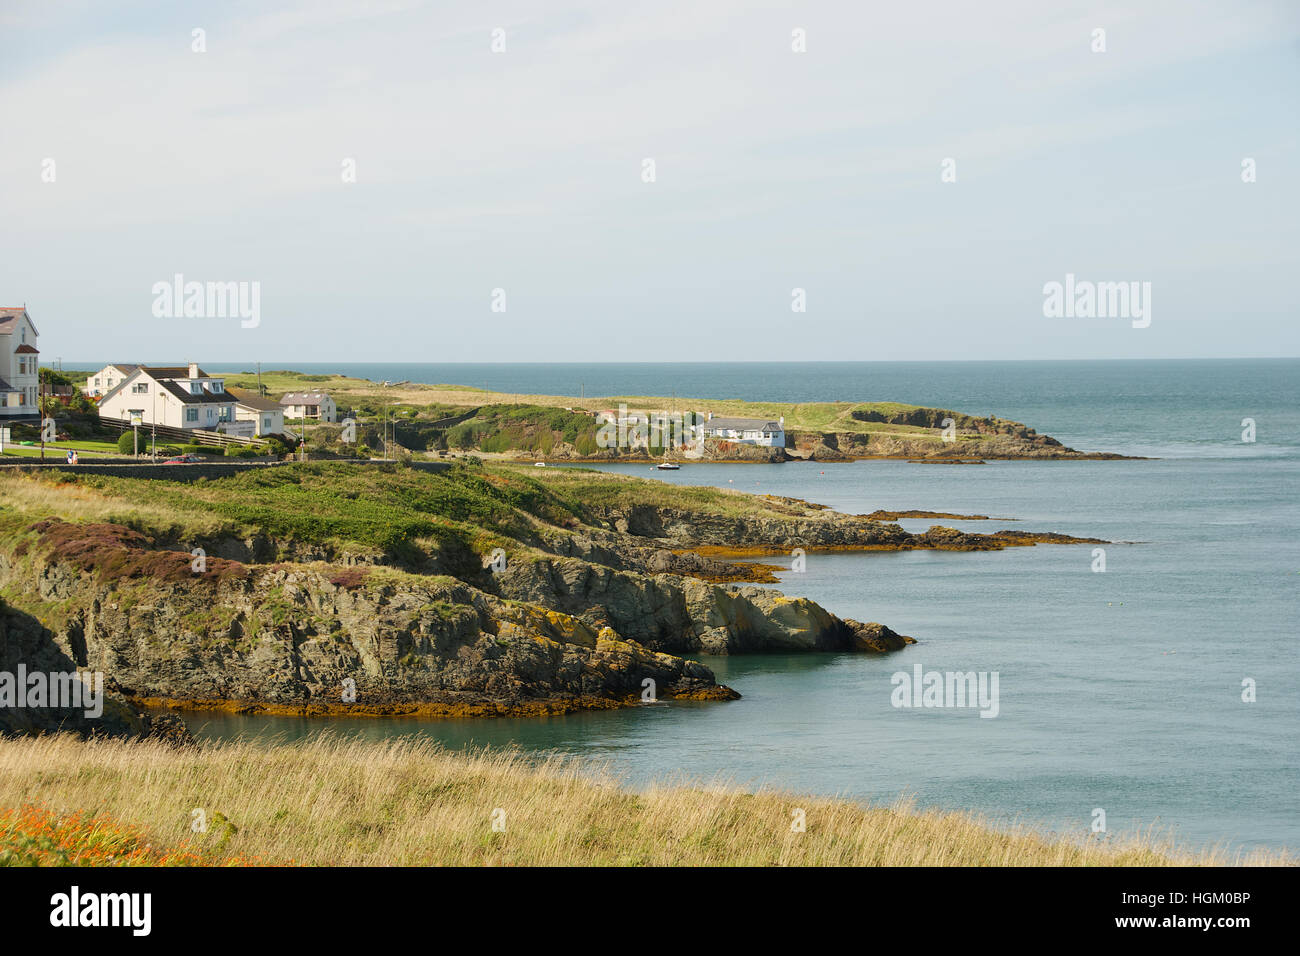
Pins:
x,y
9,316
303,398
203,398
6,387
744,424
253,400
168,371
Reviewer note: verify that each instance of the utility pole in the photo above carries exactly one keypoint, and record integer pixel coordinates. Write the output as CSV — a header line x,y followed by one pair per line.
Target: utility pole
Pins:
x,y
40,407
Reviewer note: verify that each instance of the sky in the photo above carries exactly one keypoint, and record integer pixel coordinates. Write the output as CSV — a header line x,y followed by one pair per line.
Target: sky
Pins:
x,y
129,157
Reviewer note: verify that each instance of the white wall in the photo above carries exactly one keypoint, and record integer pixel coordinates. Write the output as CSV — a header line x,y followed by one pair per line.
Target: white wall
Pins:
x,y
28,381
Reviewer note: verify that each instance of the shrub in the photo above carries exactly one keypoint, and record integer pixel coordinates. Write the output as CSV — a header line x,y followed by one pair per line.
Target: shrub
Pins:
x,y
126,442
243,451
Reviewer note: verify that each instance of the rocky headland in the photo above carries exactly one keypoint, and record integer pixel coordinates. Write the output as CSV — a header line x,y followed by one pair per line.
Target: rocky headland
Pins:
x,y
378,590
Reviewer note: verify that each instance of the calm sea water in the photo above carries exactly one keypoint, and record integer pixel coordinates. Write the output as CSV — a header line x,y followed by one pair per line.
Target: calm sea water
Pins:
x,y
1119,690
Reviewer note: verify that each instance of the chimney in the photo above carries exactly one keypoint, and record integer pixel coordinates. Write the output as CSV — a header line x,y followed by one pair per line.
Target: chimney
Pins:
x,y
781,422
194,370
710,418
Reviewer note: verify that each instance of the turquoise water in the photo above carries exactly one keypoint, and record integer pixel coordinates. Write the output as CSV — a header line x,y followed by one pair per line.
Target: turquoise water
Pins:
x,y
1118,690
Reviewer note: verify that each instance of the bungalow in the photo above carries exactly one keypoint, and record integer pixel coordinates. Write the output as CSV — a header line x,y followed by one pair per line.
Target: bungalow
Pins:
x,y
177,396
19,364
265,415
747,431
316,405
107,379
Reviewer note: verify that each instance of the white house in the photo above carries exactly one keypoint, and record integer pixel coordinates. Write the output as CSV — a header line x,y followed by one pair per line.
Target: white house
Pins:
x,y
178,396
19,364
265,416
316,405
748,431
107,379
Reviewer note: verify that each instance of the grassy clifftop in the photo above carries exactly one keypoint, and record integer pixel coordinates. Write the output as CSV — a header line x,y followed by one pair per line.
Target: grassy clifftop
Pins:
x,y
379,507
835,416
350,803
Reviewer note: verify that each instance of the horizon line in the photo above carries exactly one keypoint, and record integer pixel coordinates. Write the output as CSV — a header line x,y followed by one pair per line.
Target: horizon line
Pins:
x,y
289,366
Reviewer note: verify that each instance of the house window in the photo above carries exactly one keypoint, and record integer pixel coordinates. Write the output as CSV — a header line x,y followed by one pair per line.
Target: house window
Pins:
x,y
266,424
218,386
225,413
140,388
191,414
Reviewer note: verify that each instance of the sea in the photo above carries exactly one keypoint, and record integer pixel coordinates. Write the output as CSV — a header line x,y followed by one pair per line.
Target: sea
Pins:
x,y
1152,688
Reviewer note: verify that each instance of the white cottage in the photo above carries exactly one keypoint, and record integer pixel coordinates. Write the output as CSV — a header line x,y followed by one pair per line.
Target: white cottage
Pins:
x,y
20,380
265,415
748,431
177,396
317,405
107,379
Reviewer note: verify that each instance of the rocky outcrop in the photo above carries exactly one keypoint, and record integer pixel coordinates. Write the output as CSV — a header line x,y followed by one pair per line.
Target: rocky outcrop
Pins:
x,y
852,446
596,605
796,524
684,615
292,637
26,649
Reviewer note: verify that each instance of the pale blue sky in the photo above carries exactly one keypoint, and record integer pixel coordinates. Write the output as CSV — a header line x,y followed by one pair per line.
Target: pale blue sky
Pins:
x,y
522,170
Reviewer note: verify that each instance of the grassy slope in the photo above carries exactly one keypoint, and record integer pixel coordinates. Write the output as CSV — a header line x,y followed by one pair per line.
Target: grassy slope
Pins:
x,y
371,507
349,803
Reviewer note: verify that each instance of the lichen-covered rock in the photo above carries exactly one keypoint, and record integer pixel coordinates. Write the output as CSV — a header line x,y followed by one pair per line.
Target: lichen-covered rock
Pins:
x,y
26,647
875,637
296,635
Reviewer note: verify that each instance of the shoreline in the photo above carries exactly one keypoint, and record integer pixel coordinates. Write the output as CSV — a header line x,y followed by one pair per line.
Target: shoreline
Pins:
x,y
422,710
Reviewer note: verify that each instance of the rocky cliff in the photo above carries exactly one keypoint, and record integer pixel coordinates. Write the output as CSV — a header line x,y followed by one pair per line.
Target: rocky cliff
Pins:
x,y
468,591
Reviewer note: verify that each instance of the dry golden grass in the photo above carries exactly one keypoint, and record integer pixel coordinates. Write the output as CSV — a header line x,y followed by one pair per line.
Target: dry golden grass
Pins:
x,y
40,496
338,802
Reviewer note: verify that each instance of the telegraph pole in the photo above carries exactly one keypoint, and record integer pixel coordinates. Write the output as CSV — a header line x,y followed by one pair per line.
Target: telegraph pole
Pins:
x,y
40,407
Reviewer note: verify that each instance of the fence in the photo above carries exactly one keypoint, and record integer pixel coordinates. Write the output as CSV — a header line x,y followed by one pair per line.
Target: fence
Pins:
x,y
195,436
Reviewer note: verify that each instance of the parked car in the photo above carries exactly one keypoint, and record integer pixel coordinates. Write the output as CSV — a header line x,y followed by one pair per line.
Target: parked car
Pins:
x,y
184,460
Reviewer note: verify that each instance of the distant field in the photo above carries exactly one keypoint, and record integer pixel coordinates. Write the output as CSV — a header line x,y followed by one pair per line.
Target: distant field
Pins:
x,y
808,416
